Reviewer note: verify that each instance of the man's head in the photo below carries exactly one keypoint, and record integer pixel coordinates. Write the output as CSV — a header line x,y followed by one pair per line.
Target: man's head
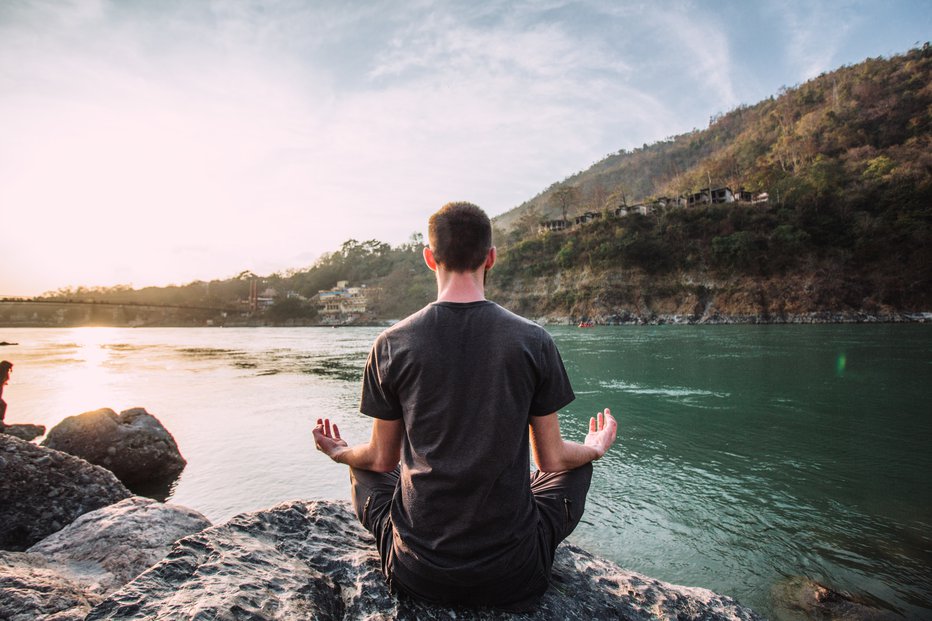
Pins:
x,y
460,236
5,368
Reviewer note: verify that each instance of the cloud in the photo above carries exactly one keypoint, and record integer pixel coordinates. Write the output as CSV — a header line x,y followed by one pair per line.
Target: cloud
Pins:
x,y
814,32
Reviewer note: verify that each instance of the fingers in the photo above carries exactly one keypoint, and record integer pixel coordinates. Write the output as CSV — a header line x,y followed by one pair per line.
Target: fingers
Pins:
x,y
327,431
336,431
601,421
592,426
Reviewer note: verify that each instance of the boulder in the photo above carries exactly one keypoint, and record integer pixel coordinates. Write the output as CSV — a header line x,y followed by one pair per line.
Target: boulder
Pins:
x,y
67,573
119,542
312,560
133,445
43,490
24,432
30,589
798,596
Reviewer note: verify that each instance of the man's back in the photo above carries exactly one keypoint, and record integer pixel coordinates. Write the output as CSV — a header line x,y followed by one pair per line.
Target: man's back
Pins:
x,y
444,483
465,377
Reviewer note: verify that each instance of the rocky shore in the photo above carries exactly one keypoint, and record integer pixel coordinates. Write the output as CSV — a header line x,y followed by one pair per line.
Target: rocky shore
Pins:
x,y
625,318
76,544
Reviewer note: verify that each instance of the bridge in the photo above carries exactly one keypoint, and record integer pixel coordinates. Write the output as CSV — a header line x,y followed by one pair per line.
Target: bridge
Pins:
x,y
139,305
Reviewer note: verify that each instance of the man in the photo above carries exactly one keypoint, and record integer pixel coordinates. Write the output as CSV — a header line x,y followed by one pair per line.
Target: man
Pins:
x,y
455,390
6,368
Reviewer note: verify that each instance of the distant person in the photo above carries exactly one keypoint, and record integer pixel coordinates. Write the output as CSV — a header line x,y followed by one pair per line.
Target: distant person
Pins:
x,y
456,391
6,368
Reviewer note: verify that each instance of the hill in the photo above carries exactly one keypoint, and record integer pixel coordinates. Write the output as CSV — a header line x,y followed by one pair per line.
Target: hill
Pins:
x,y
846,162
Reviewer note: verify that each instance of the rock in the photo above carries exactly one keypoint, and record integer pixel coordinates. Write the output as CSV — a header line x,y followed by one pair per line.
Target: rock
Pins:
x,y
30,589
43,490
798,594
67,573
133,445
120,541
312,560
24,432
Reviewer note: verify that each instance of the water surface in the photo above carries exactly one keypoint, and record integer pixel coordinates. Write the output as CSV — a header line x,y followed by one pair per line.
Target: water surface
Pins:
x,y
747,454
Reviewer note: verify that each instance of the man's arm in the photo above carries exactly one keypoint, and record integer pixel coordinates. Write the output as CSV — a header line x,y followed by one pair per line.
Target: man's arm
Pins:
x,y
381,454
554,454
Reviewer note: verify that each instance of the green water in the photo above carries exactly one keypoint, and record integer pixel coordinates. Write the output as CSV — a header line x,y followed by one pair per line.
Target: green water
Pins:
x,y
750,454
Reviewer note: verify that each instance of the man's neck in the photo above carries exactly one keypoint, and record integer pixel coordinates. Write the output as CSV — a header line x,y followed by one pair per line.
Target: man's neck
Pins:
x,y
460,287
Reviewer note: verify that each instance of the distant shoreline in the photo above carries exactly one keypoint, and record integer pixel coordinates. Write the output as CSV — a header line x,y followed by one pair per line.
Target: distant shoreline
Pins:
x,y
619,319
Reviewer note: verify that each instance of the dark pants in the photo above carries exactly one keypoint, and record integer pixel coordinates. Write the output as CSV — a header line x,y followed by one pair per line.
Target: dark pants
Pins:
x,y
560,498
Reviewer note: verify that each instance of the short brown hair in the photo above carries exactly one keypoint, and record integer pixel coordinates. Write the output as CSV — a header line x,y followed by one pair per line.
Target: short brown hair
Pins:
x,y
460,236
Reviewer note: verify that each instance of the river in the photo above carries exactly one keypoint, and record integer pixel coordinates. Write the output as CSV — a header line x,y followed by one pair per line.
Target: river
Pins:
x,y
747,454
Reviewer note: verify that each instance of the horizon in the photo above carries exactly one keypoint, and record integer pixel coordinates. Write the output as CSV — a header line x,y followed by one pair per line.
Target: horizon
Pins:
x,y
164,145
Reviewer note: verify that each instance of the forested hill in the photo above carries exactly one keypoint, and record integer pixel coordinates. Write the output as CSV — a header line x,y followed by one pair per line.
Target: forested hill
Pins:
x,y
846,161
855,132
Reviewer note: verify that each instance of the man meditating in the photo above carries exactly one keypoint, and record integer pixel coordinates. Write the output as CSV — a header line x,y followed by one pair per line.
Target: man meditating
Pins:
x,y
453,391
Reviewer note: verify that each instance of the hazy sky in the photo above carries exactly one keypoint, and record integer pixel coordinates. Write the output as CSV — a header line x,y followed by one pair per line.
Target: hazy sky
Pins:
x,y
157,142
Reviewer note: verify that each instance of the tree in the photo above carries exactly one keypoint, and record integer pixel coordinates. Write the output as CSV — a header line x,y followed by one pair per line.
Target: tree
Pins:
x,y
565,198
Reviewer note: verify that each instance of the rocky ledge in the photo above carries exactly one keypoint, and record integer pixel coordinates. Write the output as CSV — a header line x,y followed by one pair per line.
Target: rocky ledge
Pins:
x,y
23,431
312,560
42,491
64,575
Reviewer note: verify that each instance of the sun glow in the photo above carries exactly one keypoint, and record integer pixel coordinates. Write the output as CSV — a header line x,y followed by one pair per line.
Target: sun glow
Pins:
x,y
90,382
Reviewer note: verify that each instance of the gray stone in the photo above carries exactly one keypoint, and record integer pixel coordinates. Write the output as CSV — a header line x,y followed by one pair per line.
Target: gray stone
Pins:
x,y
30,589
312,560
42,490
65,574
133,445
107,548
798,597
24,431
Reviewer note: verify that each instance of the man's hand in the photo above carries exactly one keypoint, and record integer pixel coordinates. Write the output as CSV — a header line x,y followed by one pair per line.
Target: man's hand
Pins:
x,y
327,440
602,430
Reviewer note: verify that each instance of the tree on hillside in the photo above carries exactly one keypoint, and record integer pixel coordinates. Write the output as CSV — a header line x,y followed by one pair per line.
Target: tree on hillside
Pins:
x,y
565,199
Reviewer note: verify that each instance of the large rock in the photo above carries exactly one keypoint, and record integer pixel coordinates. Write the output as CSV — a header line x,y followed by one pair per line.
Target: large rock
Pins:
x,y
312,560
133,445
797,597
109,547
67,573
31,589
24,431
42,491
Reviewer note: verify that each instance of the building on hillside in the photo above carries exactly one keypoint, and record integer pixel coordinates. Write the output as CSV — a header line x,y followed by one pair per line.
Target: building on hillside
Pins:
x,y
707,196
743,196
589,216
553,226
266,299
342,304
621,211
763,197
722,195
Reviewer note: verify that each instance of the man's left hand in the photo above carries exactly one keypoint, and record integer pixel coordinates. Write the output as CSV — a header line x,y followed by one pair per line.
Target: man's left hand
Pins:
x,y
327,439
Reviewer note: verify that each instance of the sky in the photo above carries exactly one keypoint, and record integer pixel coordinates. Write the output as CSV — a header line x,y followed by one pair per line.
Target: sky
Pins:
x,y
161,142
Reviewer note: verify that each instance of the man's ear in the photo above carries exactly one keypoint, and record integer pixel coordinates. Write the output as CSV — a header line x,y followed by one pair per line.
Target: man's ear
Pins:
x,y
429,259
490,259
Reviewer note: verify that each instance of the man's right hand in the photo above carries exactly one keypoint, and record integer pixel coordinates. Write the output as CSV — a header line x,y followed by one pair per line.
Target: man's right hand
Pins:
x,y
602,431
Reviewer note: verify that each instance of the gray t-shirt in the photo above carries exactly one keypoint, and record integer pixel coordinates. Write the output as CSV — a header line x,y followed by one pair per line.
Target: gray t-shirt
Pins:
x,y
465,378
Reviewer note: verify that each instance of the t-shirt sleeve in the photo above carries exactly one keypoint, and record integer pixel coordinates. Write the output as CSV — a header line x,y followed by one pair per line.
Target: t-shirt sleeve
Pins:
x,y
378,400
553,387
